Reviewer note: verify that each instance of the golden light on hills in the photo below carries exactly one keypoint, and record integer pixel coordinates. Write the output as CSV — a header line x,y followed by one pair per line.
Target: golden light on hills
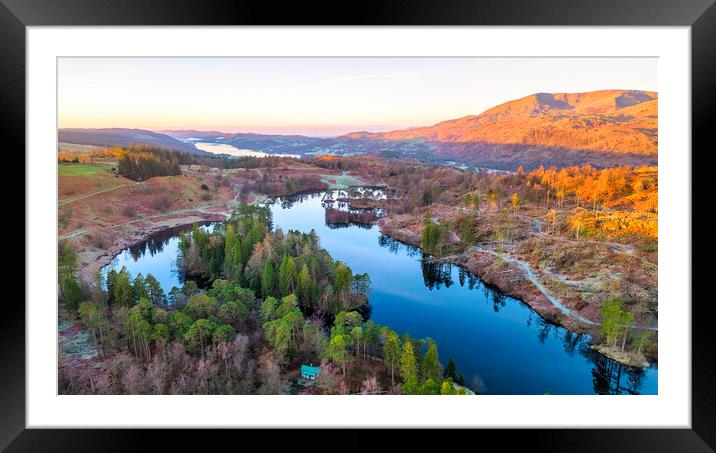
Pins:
x,y
618,121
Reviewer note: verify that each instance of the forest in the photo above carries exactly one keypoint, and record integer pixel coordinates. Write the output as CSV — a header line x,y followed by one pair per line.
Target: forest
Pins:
x,y
140,162
280,185
258,302
255,305
589,234
616,202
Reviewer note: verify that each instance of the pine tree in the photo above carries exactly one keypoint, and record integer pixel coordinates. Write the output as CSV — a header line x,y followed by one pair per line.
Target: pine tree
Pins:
x,y
70,291
303,288
140,288
343,280
122,291
431,362
287,275
267,279
625,320
611,316
337,351
92,316
391,352
451,369
156,293
408,365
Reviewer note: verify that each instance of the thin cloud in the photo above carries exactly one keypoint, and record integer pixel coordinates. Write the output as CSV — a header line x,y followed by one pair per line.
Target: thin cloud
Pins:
x,y
337,80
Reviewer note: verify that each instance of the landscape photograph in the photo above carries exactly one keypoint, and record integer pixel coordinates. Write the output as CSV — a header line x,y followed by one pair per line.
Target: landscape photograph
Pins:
x,y
357,226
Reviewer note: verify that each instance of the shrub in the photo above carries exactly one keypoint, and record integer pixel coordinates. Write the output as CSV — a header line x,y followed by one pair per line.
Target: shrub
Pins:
x,y
553,317
649,247
206,196
160,203
146,189
64,218
129,211
100,241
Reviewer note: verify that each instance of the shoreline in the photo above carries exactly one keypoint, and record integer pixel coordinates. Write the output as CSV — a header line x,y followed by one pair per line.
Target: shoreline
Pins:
x,y
507,277
512,280
91,261
479,263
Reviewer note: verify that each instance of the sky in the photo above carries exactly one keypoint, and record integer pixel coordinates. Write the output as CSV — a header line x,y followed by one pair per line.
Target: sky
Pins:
x,y
318,96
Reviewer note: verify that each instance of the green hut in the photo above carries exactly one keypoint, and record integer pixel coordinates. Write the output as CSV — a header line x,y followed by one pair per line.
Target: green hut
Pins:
x,y
310,372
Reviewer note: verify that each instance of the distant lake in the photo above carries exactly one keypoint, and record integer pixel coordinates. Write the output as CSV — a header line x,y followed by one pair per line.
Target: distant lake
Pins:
x,y
223,148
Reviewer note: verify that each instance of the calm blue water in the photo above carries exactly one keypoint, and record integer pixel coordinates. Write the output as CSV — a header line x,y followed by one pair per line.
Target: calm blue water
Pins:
x,y
157,256
499,344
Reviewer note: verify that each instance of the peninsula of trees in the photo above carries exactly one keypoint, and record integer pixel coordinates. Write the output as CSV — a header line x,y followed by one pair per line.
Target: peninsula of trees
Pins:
x,y
274,300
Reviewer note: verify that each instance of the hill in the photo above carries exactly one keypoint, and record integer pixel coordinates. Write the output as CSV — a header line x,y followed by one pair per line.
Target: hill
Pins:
x,y
123,137
603,128
268,143
194,135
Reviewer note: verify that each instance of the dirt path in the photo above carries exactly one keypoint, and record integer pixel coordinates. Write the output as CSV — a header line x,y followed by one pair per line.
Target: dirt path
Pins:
x,y
529,273
82,231
72,200
199,209
615,247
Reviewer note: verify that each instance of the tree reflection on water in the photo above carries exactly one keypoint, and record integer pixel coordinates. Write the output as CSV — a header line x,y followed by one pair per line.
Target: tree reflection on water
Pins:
x,y
608,376
611,377
157,241
154,245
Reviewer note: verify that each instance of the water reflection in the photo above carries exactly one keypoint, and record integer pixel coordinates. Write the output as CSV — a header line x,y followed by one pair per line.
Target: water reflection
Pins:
x,y
499,343
571,341
338,226
435,274
608,376
155,243
157,255
343,218
611,377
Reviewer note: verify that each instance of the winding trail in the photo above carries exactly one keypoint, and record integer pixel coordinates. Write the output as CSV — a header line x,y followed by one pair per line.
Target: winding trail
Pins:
x,y
199,209
81,197
529,273
82,231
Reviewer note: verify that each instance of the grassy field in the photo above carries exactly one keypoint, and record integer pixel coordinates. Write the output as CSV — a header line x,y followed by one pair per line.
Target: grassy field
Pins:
x,y
90,170
341,181
79,180
61,146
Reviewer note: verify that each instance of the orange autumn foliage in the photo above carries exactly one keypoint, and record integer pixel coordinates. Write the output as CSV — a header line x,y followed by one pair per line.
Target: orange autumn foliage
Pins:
x,y
616,201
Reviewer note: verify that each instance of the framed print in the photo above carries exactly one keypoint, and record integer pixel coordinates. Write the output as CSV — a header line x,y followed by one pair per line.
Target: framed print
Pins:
x,y
423,218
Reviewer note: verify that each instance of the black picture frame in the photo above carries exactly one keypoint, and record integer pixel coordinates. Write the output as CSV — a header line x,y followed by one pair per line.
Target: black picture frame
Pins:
x,y
699,15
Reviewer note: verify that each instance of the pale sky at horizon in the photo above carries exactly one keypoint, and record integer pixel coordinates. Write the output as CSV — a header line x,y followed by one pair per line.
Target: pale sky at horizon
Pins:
x,y
318,96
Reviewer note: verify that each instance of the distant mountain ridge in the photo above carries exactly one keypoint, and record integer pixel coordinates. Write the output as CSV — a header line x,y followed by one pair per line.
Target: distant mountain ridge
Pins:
x,y
602,128
123,137
270,143
615,121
